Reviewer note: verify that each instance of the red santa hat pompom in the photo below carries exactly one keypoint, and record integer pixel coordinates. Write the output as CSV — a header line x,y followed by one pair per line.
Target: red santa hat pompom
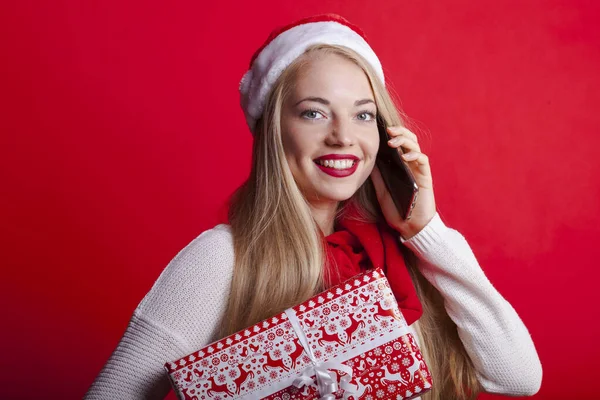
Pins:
x,y
286,44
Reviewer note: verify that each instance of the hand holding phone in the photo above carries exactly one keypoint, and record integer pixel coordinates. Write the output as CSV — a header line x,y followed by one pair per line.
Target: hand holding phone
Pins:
x,y
396,174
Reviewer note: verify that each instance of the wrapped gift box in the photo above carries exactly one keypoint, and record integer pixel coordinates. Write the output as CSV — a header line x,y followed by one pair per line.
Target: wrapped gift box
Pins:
x,y
349,342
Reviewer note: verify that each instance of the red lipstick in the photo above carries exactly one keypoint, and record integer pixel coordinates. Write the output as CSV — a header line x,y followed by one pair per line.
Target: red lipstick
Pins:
x,y
338,173
337,157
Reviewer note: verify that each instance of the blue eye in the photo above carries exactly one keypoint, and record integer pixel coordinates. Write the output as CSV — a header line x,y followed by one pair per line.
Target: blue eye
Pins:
x,y
311,111
312,114
370,114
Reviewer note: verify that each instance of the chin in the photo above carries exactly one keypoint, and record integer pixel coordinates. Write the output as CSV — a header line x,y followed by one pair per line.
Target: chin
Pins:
x,y
338,195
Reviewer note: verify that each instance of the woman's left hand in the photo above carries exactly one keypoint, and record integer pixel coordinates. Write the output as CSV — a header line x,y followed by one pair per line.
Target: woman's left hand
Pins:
x,y
418,163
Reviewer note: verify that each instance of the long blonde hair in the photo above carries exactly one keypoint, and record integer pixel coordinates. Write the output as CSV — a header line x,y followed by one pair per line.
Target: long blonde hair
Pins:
x,y
279,256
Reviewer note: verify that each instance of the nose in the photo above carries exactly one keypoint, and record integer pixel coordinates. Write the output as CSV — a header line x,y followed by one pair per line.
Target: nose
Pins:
x,y
340,134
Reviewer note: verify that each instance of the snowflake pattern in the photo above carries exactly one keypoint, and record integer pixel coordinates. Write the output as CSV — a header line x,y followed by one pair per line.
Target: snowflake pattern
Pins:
x,y
275,338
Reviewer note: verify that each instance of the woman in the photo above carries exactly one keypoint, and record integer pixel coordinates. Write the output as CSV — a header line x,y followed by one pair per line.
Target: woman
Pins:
x,y
314,212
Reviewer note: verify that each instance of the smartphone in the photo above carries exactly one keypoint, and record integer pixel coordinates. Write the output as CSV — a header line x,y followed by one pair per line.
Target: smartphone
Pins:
x,y
396,174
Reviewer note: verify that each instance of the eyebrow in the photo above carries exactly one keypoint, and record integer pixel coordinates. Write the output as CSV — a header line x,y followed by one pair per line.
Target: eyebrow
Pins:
x,y
326,102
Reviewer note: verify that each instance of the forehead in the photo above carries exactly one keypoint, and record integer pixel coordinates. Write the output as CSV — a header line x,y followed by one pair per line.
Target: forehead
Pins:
x,y
331,75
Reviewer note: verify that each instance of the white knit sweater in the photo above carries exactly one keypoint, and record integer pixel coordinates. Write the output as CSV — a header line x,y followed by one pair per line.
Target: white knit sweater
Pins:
x,y
180,314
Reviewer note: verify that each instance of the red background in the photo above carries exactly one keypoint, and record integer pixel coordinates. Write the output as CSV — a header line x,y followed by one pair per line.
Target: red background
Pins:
x,y
122,137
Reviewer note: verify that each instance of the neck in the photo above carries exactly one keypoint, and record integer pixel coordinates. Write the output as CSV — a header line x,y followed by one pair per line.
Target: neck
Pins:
x,y
324,215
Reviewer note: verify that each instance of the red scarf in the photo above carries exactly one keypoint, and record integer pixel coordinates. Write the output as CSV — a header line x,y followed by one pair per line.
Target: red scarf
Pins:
x,y
358,246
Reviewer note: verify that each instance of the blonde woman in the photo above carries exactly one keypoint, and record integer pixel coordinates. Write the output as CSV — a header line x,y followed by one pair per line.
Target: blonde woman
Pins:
x,y
314,212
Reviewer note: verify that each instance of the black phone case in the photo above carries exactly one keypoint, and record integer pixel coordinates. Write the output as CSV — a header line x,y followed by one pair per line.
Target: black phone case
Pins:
x,y
397,176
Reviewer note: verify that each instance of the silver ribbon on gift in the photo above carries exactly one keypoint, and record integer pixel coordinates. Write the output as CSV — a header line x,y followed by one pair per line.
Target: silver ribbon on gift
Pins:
x,y
327,382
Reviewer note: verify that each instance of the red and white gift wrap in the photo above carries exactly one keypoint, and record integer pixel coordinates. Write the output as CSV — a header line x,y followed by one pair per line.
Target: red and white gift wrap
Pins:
x,y
349,342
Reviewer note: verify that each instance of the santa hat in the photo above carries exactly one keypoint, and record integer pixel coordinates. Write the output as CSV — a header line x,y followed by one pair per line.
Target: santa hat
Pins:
x,y
286,44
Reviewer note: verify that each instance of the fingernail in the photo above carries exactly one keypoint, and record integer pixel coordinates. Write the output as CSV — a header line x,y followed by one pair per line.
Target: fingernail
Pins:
x,y
409,156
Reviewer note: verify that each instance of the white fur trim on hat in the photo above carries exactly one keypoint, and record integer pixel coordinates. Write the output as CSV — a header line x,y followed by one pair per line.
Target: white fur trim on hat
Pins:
x,y
256,84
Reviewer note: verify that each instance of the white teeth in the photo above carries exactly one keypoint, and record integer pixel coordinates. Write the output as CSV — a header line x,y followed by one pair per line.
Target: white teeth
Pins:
x,y
337,164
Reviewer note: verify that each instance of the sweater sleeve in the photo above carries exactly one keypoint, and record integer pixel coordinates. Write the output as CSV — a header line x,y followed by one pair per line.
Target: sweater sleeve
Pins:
x,y
494,336
176,317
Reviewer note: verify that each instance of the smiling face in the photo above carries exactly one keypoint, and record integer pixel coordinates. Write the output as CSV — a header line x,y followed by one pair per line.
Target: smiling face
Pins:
x,y
329,129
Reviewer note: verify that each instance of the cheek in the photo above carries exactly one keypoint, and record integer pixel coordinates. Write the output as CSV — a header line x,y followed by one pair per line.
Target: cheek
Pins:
x,y
290,146
296,148
372,147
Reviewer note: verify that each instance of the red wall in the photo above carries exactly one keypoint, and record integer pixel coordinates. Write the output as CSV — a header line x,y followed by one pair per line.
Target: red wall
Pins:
x,y
122,137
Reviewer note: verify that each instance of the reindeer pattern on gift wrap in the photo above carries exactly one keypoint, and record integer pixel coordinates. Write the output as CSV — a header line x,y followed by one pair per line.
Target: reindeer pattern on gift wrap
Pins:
x,y
229,383
340,327
284,358
332,324
404,376
280,356
388,375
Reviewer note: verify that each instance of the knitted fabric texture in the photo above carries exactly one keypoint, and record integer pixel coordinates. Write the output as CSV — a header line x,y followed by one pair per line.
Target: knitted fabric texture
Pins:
x,y
182,310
